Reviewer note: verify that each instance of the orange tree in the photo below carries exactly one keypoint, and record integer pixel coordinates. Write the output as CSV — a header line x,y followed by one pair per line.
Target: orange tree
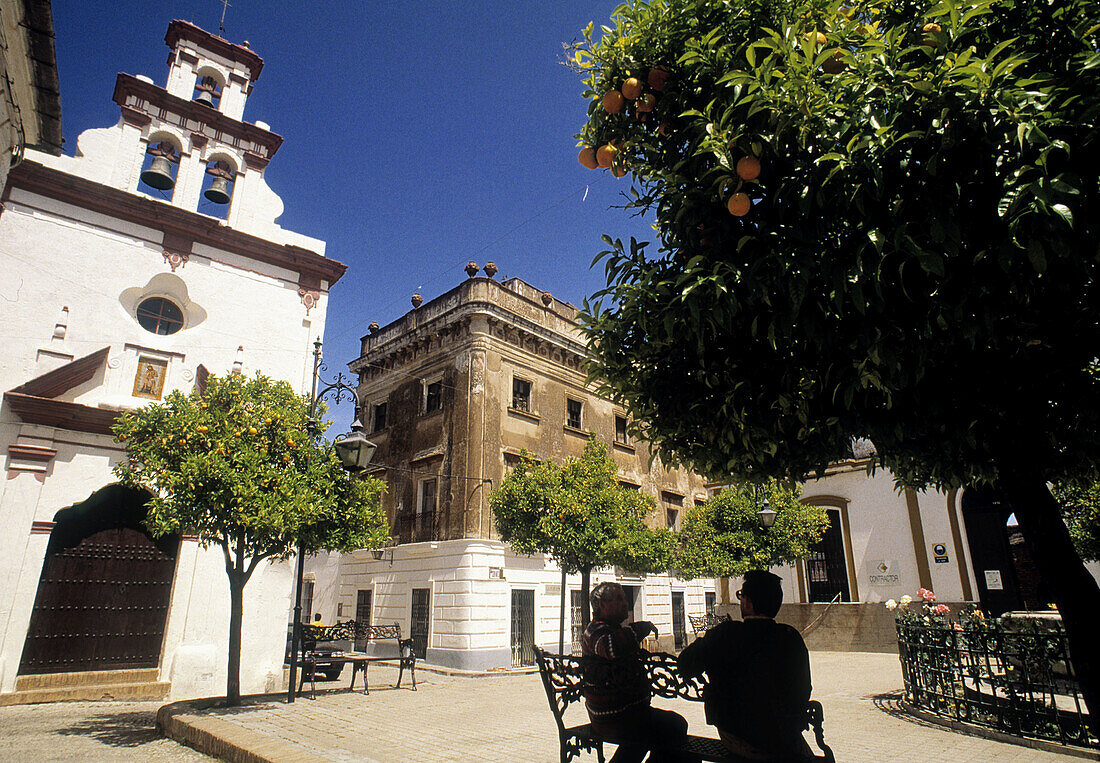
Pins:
x,y
580,516
236,466
916,264
723,537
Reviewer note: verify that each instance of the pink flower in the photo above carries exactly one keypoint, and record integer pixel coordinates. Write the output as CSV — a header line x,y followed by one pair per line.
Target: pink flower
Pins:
x,y
958,626
925,594
941,609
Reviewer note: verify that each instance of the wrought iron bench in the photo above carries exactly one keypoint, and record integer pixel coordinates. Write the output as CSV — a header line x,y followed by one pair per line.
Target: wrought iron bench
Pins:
x,y
703,623
354,631
564,678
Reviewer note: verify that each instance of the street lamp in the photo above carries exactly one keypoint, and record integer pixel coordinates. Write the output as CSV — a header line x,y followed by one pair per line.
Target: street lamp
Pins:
x,y
355,452
767,515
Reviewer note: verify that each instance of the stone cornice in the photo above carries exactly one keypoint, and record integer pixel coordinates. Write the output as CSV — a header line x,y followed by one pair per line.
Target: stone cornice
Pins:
x,y
185,30
509,315
61,414
87,194
193,117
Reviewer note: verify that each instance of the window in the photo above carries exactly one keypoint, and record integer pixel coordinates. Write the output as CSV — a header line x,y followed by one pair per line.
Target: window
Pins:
x,y
573,410
521,394
380,422
673,504
629,485
159,316
433,397
620,430
425,507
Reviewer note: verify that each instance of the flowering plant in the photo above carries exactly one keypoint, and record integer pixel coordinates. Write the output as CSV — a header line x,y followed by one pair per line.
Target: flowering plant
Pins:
x,y
926,613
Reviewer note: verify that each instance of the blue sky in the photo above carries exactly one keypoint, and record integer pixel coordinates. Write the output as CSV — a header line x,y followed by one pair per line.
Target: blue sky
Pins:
x,y
418,135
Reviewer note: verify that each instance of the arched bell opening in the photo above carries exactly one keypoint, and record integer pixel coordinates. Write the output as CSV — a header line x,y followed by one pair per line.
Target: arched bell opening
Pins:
x,y
208,89
105,588
159,168
217,188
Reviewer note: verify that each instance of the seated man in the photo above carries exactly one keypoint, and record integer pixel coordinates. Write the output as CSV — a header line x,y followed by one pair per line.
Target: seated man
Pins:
x,y
758,675
618,698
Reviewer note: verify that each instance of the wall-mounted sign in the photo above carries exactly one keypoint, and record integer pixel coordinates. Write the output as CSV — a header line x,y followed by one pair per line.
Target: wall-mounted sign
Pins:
x,y
939,553
993,580
496,573
883,573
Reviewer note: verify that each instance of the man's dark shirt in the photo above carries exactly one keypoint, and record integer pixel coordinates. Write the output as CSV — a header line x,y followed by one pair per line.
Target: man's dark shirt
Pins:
x,y
758,675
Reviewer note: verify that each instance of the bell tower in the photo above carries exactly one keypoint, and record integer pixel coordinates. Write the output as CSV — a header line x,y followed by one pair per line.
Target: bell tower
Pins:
x,y
187,143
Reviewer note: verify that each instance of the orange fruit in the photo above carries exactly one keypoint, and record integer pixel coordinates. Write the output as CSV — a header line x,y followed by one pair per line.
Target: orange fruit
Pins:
x,y
664,129
613,102
817,38
632,88
647,102
748,168
618,170
605,155
739,205
587,157
658,75
932,33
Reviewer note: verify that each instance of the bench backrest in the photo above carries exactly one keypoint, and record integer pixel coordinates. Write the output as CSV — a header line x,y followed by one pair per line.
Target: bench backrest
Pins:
x,y
703,623
350,630
562,678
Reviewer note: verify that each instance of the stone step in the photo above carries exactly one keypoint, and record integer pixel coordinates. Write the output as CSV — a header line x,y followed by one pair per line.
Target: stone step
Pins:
x,y
129,692
85,678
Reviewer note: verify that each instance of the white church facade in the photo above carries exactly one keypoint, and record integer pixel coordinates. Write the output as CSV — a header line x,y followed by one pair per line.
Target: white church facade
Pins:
x,y
138,266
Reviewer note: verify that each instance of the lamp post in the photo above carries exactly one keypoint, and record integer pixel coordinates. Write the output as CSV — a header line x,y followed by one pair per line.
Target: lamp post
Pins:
x,y
766,515
355,452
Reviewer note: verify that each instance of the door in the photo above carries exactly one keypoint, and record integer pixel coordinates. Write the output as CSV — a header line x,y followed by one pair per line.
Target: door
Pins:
x,y
523,628
362,615
679,632
986,518
575,606
826,568
104,591
420,621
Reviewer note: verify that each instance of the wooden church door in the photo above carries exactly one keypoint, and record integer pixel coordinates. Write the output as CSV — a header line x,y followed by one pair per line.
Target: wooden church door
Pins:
x,y
103,595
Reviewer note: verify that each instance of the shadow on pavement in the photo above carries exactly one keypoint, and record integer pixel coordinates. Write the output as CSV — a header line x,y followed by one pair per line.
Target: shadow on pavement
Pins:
x,y
131,729
891,704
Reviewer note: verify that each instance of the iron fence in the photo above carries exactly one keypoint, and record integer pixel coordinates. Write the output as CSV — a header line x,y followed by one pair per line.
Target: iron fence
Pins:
x,y
1012,675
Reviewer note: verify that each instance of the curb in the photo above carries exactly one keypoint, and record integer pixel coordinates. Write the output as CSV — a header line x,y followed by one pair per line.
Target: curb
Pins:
x,y
971,729
185,723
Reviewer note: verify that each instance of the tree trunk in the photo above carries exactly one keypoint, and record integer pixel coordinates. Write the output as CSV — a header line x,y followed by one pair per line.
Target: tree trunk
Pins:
x,y
561,619
586,608
1074,590
236,617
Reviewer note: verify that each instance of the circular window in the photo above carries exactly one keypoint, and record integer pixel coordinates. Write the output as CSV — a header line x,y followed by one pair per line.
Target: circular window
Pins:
x,y
160,316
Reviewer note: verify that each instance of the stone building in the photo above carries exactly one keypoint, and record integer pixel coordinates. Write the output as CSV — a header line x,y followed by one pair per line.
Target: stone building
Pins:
x,y
451,393
136,267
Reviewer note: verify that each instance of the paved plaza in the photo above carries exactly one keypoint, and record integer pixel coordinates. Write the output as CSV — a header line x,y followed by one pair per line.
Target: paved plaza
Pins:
x,y
506,718
87,731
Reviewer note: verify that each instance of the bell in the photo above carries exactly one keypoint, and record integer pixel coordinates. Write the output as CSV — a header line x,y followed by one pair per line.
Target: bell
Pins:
x,y
206,98
218,192
159,174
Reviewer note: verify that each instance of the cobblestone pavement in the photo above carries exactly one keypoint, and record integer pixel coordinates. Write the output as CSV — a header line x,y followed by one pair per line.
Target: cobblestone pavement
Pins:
x,y
505,718
87,731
